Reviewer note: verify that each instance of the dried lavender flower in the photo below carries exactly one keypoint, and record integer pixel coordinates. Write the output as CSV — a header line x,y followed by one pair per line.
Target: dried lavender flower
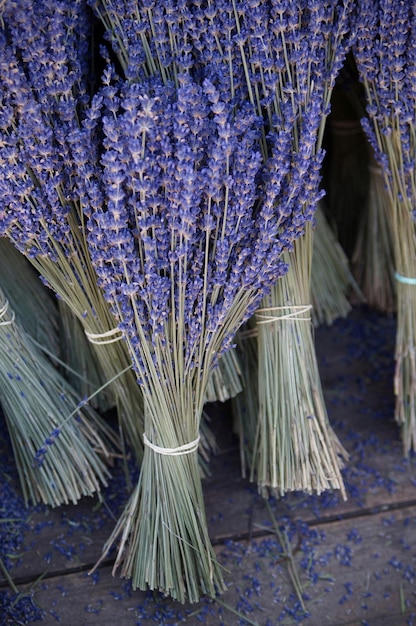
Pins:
x,y
43,94
385,56
186,239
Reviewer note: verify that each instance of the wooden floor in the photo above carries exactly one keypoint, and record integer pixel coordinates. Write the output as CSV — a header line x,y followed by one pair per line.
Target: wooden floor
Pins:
x,y
356,560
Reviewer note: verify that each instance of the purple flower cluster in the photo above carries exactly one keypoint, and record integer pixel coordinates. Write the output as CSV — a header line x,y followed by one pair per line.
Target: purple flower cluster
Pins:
x,y
186,218
279,54
385,53
281,57
49,441
184,213
43,60
291,54
293,49
194,180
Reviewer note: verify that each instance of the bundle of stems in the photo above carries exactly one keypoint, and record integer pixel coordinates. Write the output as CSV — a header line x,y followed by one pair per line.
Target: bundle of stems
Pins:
x,y
372,261
186,238
61,446
332,282
32,302
43,74
225,379
81,366
359,184
294,449
385,54
245,405
290,69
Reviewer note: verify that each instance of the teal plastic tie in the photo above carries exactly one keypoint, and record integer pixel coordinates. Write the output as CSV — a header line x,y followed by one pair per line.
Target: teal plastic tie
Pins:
x,y
406,280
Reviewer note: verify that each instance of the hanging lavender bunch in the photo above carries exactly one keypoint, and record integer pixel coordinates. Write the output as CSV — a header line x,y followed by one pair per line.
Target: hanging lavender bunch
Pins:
x,y
385,54
44,48
187,228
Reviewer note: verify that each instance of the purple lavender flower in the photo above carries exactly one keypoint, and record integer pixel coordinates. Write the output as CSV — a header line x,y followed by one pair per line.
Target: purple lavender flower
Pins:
x,y
185,191
43,87
43,91
385,57
184,228
43,450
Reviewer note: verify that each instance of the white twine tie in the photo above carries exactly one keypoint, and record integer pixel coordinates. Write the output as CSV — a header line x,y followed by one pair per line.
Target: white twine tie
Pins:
x,y
3,312
187,448
111,336
265,316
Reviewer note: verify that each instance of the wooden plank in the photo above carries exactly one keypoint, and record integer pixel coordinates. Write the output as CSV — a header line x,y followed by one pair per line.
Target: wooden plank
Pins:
x,y
72,536
359,571
360,404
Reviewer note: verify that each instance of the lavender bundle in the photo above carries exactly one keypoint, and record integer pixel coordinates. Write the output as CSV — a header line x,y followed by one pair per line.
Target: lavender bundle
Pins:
x,y
79,362
355,181
281,58
332,282
385,54
163,39
33,304
373,257
43,91
291,55
225,380
186,234
60,445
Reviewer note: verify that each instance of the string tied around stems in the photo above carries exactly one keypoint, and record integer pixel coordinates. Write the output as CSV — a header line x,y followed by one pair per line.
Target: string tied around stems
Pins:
x,y
186,448
3,311
110,336
269,315
405,280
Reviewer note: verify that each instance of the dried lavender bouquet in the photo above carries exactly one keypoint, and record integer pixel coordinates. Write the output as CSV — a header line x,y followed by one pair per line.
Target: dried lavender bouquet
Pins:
x,y
291,54
385,54
331,280
62,447
161,39
44,52
280,57
186,236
